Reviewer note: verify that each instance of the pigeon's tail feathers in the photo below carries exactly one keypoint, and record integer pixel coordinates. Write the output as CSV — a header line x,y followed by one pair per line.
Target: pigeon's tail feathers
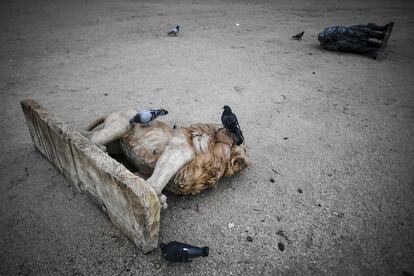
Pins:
x,y
154,113
240,138
241,135
237,135
161,112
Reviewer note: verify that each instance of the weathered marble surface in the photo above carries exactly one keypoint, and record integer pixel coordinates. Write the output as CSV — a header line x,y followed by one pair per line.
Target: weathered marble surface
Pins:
x,y
130,203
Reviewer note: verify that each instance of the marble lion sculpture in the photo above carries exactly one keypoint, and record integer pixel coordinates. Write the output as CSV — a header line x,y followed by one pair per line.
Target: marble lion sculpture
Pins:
x,y
184,160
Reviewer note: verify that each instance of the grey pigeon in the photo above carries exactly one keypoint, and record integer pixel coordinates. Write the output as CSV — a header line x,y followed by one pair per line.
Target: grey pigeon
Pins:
x,y
298,36
174,31
146,116
230,122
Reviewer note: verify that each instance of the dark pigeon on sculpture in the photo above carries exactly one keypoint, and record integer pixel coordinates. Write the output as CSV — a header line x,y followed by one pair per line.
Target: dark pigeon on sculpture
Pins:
x,y
360,39
230,122
174,31
146,116
298,36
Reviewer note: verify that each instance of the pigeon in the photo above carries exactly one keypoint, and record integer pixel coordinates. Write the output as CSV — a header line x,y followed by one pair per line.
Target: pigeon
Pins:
x,y
298,36
182,252
146,116
230,122
174,31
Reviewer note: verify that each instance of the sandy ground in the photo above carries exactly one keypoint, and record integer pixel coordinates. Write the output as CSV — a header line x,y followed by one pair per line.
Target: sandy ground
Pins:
x,y
337,126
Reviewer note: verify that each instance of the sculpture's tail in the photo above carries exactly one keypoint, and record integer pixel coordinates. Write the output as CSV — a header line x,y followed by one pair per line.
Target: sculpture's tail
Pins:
x,y
95,123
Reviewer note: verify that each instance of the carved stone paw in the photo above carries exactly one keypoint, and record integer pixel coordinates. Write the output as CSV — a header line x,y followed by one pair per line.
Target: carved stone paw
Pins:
x,y
163,201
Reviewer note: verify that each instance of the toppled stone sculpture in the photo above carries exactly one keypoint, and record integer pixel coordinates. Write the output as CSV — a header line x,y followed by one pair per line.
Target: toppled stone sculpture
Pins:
x,y
369,39
185,160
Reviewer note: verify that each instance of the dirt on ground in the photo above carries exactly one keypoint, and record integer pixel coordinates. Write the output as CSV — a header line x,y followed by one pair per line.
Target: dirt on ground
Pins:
x,y
330,135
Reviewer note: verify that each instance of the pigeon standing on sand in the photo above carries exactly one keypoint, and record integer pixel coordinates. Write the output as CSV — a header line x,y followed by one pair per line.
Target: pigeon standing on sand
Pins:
x,y
146,116
230,122
174,31
298,36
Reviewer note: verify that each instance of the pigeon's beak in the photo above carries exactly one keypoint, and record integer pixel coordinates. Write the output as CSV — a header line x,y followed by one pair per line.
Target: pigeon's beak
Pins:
x,y
131,122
